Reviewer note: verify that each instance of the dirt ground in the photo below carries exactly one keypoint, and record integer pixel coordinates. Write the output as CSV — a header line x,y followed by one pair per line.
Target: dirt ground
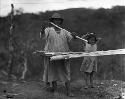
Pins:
x,y
108,89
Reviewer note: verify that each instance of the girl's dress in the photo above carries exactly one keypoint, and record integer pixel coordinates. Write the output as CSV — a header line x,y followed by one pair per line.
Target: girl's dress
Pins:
x,y
89,63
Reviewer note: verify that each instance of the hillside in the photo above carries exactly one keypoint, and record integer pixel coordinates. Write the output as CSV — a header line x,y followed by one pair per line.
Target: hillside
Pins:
x,y
109,24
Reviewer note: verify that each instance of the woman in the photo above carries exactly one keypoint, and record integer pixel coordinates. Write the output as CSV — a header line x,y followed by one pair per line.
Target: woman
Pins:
x,y
57,41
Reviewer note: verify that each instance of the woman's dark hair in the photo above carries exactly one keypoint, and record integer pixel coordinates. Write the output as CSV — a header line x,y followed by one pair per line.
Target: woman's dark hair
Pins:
x,y
52,20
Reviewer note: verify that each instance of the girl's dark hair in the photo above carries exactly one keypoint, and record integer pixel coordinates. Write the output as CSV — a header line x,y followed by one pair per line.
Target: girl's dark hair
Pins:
x,y
91,35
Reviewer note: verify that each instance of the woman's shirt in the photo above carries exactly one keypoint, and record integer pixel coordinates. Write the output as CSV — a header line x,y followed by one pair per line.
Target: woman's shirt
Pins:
x,y
57,42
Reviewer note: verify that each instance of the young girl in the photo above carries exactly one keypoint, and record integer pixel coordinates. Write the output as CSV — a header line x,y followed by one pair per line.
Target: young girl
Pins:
x,y
89,64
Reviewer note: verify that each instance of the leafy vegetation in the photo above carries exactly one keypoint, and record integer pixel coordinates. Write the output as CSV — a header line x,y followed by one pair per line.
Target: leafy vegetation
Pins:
x,y
109,24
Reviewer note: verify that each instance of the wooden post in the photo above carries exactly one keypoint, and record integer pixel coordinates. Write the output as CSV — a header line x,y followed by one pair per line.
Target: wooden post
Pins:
x,y
123,61
11,48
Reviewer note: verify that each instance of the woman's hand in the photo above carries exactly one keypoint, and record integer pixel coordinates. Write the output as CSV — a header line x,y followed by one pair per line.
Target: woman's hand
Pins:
x,y
74,35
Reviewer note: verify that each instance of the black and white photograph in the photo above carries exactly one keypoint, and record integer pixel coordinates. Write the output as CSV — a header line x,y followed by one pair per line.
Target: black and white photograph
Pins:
x,y
62,49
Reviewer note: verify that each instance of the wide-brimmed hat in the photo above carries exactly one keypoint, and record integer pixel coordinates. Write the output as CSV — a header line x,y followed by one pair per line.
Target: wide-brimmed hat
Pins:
x,y
56,16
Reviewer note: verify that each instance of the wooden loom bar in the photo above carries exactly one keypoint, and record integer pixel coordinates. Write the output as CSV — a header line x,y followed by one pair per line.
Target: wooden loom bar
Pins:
x,y
97,53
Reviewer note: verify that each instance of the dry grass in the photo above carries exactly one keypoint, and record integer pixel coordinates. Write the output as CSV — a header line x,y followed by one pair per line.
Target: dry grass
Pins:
x,y
36,90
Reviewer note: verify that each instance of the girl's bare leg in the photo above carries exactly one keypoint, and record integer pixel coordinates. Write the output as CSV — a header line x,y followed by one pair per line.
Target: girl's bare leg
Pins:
x,y
86,76
91,79
68,91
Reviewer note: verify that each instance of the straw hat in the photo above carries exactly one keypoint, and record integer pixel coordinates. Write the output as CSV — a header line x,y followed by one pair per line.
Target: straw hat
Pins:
x,y
56,16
